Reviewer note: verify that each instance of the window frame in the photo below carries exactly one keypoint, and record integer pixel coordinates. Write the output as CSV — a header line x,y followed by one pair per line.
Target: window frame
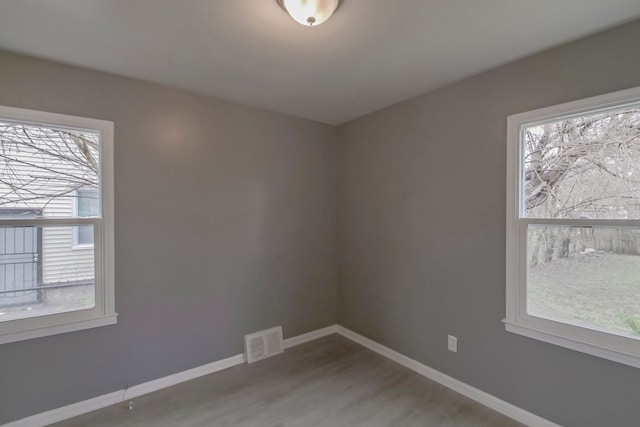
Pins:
x,y
103,313
595,342
76,245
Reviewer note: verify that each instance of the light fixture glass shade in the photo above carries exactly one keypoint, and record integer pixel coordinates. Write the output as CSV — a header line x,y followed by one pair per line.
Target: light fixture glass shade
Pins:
x,y
310,12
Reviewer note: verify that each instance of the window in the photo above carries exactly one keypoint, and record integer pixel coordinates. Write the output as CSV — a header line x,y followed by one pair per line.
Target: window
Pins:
x,y
573,225
86,204
56,224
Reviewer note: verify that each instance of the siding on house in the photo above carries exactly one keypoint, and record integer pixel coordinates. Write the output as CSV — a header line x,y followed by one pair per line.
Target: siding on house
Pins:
x,y
61,262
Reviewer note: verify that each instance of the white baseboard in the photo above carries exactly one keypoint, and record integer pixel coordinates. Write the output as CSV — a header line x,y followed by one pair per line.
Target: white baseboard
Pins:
x,y
64,413
180,377
464,389
69,411
80,408
310,336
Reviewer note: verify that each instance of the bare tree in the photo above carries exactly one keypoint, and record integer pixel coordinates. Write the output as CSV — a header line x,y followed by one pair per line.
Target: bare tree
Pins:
x,y
582,167
39,164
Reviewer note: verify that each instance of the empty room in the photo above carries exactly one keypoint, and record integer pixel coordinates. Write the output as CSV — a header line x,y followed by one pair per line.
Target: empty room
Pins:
x,y
331,213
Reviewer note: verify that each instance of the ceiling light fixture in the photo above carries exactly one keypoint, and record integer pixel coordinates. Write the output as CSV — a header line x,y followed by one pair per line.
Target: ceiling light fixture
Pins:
x,y
310,13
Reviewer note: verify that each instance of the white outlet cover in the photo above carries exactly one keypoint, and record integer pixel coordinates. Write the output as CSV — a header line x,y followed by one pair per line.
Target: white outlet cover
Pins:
x,y
452,343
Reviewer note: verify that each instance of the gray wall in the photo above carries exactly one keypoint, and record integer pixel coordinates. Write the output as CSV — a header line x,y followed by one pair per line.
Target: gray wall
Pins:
x,y
225,224
422,232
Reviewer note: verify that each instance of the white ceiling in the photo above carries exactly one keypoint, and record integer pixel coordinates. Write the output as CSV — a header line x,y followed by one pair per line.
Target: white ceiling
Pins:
x,y
371,54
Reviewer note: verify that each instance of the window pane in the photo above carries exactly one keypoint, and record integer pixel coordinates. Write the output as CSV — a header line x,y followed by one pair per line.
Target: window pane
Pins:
x,y
40,273
584,167
88,203
85,235
42,167
585,276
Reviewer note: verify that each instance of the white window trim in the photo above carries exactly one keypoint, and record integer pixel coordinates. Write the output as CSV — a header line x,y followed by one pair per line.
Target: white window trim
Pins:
x,y
104,311
595,342
75,245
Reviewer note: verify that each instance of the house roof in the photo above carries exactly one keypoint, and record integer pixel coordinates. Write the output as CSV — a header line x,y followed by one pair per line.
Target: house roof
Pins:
x,y
371,54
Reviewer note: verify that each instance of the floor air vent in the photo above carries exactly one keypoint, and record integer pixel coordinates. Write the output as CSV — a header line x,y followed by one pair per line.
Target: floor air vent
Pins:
x,y
263,344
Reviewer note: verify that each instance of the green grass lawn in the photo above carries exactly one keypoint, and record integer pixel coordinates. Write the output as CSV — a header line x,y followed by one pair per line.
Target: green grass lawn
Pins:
x,y
602,290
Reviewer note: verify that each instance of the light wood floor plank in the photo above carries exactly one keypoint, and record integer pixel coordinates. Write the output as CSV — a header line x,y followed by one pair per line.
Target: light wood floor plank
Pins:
x,y
330,382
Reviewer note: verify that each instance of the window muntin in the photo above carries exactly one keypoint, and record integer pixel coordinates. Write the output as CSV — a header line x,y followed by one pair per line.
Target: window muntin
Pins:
x,y
573,225
56,182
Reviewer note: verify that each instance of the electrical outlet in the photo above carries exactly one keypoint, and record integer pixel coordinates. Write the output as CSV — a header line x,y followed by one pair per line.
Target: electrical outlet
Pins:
x,y
452,343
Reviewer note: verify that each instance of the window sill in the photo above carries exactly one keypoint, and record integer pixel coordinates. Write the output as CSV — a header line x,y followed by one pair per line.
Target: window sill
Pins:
x,y
59,329
574,344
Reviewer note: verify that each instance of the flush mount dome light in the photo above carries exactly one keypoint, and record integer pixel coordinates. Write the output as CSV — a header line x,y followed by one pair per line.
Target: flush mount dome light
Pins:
x,y
310,13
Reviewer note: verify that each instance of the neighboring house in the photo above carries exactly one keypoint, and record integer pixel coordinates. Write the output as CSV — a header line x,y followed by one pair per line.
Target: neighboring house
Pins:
x,y
68,251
